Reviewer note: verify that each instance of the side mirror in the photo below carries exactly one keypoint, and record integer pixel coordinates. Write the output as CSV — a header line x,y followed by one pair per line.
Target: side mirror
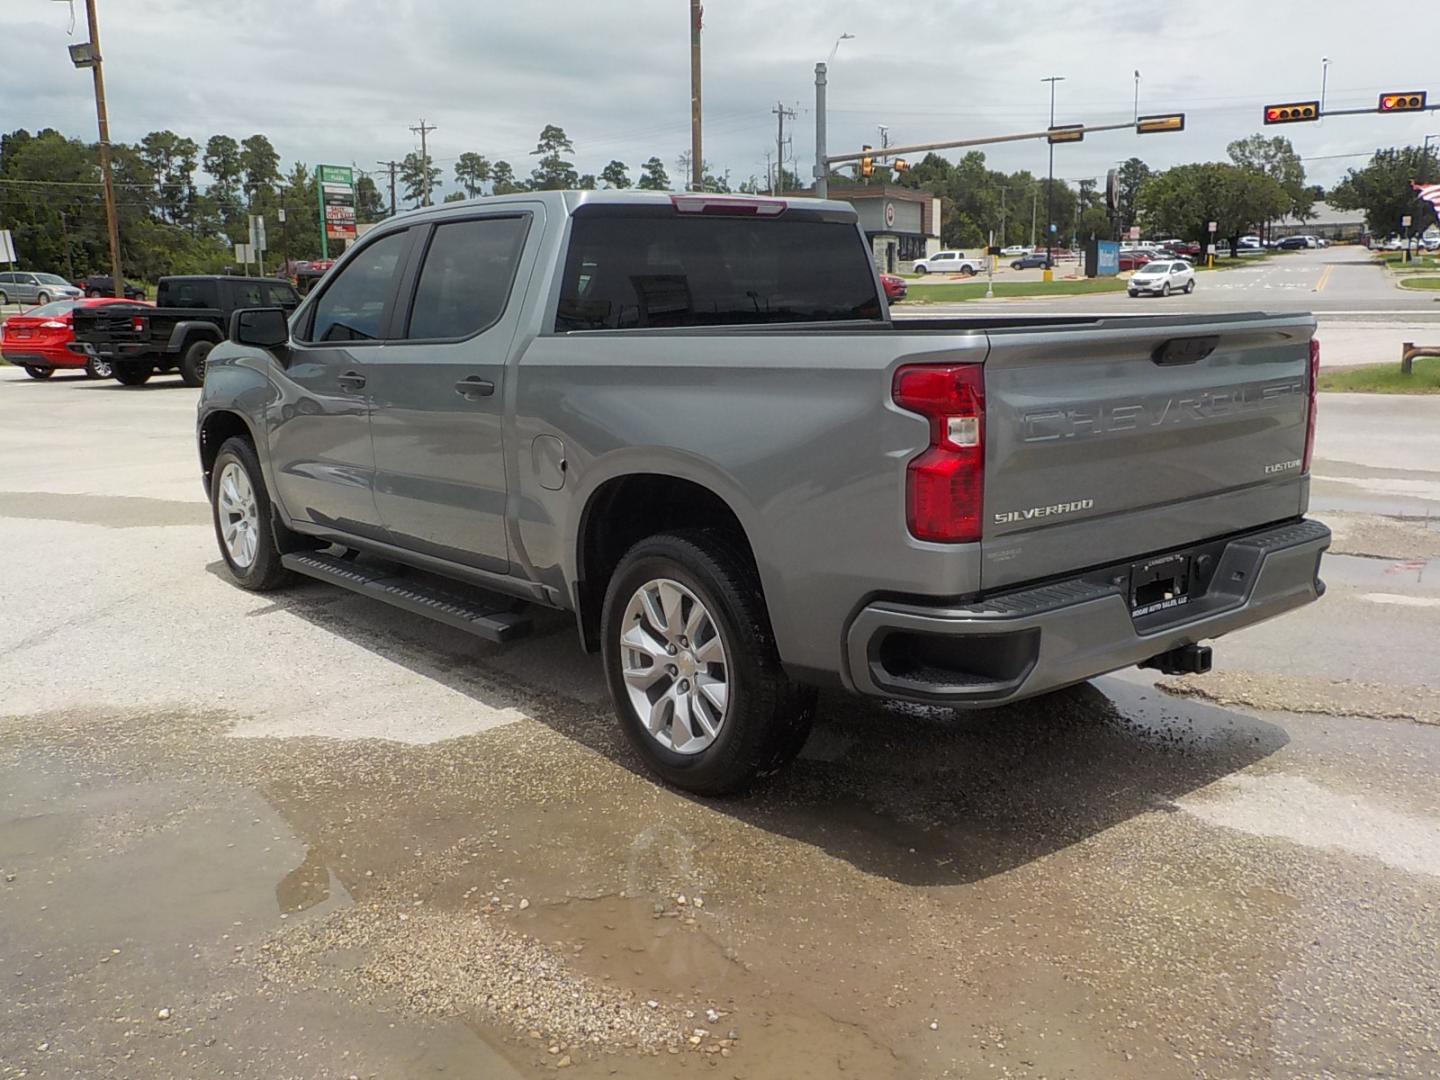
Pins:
x,y
263,328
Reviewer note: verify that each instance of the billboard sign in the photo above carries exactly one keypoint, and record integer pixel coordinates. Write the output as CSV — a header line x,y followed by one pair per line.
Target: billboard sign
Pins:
x,y
337,204
1107,258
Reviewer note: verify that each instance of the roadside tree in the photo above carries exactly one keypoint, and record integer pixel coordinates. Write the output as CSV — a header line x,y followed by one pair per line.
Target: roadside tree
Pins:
x,y
653,176
1382,191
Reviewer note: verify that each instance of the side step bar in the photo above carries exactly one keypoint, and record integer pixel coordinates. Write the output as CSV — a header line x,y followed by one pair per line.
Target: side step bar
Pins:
x,y
493,623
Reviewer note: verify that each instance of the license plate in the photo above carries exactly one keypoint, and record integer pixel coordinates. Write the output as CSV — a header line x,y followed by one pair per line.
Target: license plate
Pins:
x,y
24,333
1160,584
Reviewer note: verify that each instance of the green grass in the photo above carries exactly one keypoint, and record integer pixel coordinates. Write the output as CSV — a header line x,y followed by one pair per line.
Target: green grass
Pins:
x,y
1385,379
1395,260
975,290
1420,283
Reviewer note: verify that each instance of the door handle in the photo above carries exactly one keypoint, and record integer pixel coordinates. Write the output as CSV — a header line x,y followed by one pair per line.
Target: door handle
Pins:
x,y
473,387
351,380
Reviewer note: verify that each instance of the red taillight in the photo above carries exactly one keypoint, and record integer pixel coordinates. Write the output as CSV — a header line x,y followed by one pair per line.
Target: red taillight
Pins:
x,y
945,486
137,324
1314,401
709,204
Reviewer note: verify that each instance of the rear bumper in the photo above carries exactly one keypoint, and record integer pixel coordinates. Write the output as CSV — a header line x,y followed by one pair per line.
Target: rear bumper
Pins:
x,y
1024,643
49,358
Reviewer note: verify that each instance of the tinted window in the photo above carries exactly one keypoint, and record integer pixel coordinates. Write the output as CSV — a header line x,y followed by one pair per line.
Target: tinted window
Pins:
x,y
51,279
352,307
6,278
54,309
466,277
187,294
280,296
246,295
636,268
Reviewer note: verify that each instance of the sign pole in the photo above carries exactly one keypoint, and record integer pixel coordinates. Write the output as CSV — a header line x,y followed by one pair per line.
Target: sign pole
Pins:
x,y
324,225
990,258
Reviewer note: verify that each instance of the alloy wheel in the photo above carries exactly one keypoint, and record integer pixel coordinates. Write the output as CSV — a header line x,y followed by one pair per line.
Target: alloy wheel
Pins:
x,y
675,665
239,515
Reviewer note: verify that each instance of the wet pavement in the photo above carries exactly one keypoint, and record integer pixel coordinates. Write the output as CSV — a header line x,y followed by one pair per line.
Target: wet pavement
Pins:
x,y
304,836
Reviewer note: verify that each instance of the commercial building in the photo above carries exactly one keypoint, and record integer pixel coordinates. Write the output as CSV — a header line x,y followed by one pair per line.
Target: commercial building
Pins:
x,y
901,224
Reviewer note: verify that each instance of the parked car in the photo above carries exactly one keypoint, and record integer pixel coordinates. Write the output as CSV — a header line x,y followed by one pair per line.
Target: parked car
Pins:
x,y
1133,260
42,340
27,287
1182,249
921,513
1292,243
1015,250
1034,259
1162,278
949,262
895,287
104,285
190,317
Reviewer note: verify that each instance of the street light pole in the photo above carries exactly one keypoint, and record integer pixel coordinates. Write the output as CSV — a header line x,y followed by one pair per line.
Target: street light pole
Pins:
x,y
1324,81
1050,187
107,179
822,167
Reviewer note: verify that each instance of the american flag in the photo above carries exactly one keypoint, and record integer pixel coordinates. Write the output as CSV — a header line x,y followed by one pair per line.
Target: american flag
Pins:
x,y
1429,192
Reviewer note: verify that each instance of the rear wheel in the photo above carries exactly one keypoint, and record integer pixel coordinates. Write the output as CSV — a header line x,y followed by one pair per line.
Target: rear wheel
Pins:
x,y
97,367
131,374
35,371
192,367
42,298
1189,287
692,668
93,293
968,271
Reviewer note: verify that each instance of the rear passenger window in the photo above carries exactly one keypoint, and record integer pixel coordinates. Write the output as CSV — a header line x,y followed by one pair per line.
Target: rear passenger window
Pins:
x,y
466,278
247,296
352,308
280,296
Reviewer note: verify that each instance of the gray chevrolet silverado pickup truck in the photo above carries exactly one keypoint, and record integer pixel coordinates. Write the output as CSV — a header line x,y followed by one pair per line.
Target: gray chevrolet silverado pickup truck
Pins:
x,y
692,421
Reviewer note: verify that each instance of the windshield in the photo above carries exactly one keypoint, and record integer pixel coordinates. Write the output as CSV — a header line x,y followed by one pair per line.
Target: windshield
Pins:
x,y
51,279
52,310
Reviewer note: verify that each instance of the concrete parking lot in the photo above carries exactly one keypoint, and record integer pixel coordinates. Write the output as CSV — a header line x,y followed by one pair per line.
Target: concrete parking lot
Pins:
x,y
301,835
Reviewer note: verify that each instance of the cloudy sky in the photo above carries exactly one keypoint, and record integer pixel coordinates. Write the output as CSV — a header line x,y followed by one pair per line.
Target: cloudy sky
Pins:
x,y
343,80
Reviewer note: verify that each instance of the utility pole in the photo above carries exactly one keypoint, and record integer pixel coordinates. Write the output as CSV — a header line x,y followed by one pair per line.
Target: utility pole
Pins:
x,y
424,160
781,112
884,130
392,166
822,167
697,156
112,222
1034,207
769,176
1050,187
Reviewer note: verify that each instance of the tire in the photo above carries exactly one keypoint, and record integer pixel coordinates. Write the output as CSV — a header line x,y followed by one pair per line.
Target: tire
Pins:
x,y
922,270
93,293
42,298
97,367
1189,287
4,299
968,271
35,371
257,528
192,366
766,717
131,374
1165,289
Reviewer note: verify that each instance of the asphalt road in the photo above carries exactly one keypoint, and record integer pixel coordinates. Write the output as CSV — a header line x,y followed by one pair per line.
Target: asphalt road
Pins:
x,y
1338,282
300,835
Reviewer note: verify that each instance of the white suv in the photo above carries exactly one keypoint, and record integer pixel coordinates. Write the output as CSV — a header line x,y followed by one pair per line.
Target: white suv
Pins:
x,y
1162,278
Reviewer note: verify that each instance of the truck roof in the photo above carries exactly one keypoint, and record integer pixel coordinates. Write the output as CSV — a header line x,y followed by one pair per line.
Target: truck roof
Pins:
x,y
567,202
221,277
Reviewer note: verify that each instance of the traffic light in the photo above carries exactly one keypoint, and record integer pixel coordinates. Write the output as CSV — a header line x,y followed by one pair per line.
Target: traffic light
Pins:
x,y
1411,101
1294,112
867,162
901,165
1067,133
1149,125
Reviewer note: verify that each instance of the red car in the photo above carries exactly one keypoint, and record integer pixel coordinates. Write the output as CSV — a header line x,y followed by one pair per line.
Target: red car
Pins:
x,y
1133,260
895,287
42,340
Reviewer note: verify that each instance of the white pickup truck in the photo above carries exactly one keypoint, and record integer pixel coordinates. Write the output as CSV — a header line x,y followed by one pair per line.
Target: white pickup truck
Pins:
x,y
950,262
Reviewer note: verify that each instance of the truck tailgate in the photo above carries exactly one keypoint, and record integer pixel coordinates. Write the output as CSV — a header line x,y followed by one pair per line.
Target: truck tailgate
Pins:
x,y
1129,437
121,325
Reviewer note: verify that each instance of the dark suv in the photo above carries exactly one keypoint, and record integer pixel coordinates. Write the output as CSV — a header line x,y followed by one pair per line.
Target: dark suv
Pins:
x,y
104,285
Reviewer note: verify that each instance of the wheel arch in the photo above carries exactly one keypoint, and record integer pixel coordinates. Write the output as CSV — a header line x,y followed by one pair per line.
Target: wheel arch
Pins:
x,y
215,428
626,507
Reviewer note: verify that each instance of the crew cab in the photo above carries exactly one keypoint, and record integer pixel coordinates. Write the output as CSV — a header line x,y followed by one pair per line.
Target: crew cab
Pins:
x,y
691,421
187,321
